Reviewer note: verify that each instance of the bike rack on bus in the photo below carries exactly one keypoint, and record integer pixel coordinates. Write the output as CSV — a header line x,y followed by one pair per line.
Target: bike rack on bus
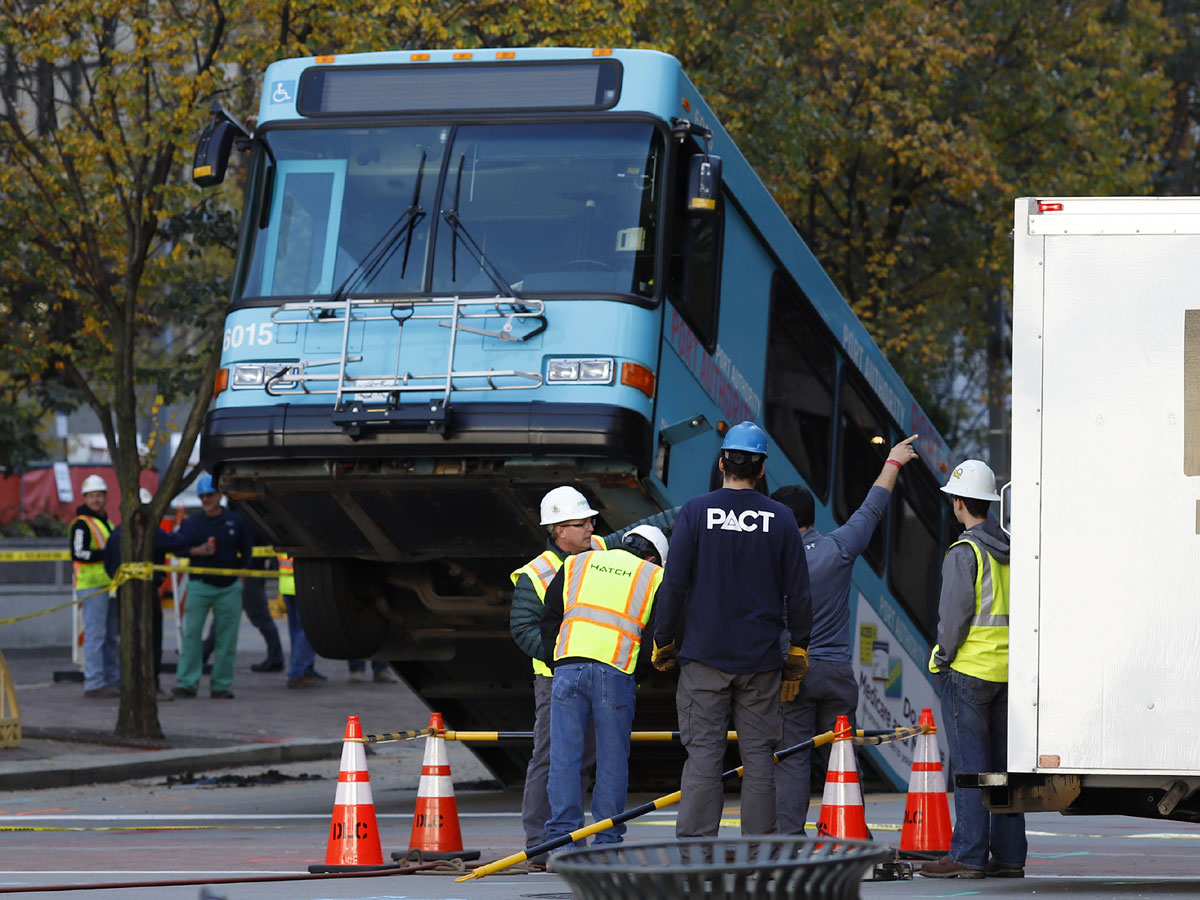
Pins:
x,y
374,399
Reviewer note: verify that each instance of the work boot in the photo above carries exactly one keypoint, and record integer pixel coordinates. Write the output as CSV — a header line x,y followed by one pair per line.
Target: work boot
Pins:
x,y
948,868
268,665
997,870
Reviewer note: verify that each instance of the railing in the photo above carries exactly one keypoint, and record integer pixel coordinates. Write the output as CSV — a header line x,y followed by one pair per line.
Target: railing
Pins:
x,y
453,313
373,398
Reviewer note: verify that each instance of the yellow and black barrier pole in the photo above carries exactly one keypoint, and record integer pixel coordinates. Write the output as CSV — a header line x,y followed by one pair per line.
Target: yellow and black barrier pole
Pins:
x,y
870,736
596,827
670,799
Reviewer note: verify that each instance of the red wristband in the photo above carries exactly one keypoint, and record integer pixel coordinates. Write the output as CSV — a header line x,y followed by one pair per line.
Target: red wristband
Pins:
x,y
892,462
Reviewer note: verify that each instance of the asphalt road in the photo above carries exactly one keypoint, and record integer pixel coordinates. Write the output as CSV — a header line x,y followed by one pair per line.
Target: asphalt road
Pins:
x,y
249,826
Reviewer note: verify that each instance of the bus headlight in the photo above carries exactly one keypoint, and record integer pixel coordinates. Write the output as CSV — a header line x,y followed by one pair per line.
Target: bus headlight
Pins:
x,y
257,375
247,375
595,370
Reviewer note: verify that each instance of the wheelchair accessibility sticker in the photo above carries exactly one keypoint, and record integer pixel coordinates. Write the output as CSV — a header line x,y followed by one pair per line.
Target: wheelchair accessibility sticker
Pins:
x,y
283,91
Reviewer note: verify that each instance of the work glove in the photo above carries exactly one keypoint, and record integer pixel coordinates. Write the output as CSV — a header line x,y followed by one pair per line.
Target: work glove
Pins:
x,y
664,658
795,667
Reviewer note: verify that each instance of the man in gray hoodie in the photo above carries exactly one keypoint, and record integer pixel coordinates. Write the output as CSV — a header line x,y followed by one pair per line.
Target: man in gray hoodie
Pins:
x,y
970,661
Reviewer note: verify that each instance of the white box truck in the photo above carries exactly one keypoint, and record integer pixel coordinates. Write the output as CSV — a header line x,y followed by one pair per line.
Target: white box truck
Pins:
x,y
1104,667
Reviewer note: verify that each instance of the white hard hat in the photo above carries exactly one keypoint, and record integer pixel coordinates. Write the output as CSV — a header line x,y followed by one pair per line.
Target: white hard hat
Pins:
x,y
654,535
972,478
93,483
563,504
144,496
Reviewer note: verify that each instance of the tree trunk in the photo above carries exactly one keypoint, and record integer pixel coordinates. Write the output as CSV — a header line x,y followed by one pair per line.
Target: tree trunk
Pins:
x,y
138,716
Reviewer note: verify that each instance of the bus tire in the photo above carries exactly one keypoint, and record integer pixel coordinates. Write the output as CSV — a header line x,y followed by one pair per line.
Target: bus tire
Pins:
x,y
338,610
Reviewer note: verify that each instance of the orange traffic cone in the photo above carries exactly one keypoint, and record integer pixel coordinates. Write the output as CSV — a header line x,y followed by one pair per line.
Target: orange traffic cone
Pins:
x,y
435,831
927,828
842,813
353,835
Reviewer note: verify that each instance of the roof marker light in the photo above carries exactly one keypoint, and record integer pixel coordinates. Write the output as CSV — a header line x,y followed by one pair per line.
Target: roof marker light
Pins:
x,y
1049,207
324,60
419,57
506,54
462,56
602,51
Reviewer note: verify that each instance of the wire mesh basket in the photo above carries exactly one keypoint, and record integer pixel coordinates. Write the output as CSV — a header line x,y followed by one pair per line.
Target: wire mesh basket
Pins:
x,y
761,868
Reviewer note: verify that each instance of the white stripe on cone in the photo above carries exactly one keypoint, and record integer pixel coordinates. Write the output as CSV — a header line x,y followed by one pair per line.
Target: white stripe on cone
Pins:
x,y
353,793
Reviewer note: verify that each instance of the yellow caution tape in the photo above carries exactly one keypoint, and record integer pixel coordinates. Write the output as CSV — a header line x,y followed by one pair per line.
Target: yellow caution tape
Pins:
x,y
144,571
65,555
35,555
34,615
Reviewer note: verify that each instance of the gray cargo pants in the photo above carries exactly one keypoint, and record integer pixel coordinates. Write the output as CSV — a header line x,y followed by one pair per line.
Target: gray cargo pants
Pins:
x,y
828,690
705,698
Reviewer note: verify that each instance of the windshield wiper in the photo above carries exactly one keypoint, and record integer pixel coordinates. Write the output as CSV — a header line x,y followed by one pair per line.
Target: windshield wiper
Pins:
x,y
387,245
459,230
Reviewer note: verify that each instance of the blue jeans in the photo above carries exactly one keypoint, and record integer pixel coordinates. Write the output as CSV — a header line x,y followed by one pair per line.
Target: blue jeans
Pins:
x,y
535,800
101,639
582,692
360,665
302,655
975,720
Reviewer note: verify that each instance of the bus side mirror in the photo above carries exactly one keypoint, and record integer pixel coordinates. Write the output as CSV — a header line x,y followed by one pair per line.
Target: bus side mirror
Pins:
x,y
212,152
704,184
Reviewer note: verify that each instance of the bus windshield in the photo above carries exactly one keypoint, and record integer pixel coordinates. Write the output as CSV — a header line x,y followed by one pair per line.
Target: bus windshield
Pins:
x,y
541,208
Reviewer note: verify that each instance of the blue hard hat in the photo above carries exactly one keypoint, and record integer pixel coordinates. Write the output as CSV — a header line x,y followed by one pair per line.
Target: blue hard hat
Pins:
x,y
746,436
204,484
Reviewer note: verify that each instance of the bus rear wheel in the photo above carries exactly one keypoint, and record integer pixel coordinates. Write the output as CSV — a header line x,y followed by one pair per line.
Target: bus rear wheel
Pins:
x,y
337,608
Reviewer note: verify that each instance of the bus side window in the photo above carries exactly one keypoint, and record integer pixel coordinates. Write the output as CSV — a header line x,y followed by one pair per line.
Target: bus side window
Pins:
x,y
694,273
914,563
863,442
801,369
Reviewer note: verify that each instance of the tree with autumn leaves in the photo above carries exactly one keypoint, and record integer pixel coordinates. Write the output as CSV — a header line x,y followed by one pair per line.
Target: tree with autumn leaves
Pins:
x,y
894,133
113,266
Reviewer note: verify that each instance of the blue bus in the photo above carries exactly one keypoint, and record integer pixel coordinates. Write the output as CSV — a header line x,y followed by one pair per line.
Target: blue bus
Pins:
x,y
467,277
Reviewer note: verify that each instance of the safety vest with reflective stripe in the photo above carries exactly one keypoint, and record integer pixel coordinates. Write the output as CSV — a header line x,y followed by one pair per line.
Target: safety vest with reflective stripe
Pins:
x,y
984,652
92,575
607,596
541,571
287,575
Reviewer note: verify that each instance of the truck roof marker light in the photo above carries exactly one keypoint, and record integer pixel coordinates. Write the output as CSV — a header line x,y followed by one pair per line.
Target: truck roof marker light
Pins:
x,y
324,60
221,383
602,51
506,54
419,57
638,376
1049,207
462,56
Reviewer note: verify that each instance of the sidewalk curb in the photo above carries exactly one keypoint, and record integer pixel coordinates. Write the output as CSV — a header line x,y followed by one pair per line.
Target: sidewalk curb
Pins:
x,y
34,774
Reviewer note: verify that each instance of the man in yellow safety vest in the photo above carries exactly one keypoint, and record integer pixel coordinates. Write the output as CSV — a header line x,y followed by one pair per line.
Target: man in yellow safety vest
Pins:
x,y
970,661
597,608
101,626
569,521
